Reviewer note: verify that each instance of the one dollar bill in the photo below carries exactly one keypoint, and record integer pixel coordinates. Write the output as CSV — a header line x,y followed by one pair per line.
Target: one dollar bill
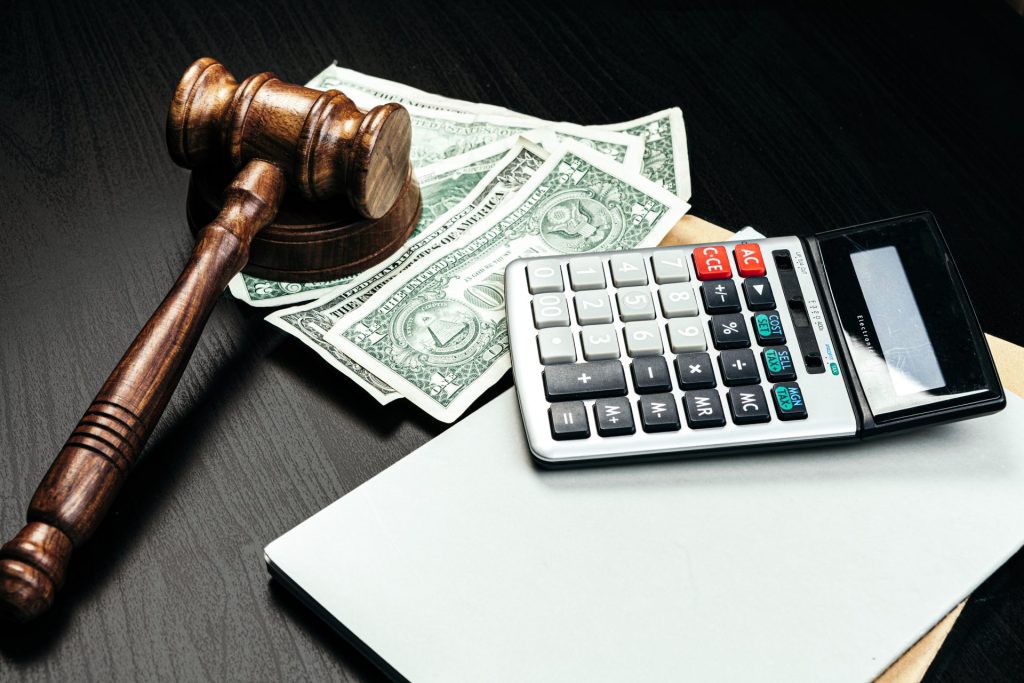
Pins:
x,y
437,334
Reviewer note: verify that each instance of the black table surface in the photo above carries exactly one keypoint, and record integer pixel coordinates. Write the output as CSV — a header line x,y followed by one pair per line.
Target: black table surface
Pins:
x,y
798,120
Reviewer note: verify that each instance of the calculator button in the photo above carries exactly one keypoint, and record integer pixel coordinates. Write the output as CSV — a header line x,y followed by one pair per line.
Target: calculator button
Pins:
x,y
549,310
738,367
712,263
686,334
544,277
720,297
677,300
670,265
555,346
586,273
778,364
694,371
568,421
748,405
729,331
613,417
635,304
703,409
768,328
749,261
758,292
658,413
593,308
584,380
628,270
599,342
643,339
650,375
789,401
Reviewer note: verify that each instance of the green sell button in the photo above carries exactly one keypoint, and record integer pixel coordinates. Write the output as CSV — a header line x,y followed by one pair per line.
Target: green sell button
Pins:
x,y
774,364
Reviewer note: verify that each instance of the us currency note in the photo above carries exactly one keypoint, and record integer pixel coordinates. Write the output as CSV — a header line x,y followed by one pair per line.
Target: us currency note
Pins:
x,y
443,127
310,323
665,159
437,334
442,186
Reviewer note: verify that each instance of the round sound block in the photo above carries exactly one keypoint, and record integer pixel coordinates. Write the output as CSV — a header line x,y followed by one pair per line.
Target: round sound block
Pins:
x,y
311,241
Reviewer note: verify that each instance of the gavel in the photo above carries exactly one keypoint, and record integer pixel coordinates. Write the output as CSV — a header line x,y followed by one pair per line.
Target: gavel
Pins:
x,y
278,136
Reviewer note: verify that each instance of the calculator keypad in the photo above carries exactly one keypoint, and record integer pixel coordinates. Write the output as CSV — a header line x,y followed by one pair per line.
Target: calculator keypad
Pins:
x,y
698,331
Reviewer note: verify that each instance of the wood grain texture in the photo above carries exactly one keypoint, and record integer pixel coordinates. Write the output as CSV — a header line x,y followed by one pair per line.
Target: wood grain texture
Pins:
x,y
796,121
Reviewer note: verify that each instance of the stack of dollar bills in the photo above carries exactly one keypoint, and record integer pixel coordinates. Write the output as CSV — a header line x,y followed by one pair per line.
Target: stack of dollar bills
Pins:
x,y
428,323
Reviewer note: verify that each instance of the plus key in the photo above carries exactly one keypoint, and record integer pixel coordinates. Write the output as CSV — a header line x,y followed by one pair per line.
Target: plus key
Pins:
x,y
712,263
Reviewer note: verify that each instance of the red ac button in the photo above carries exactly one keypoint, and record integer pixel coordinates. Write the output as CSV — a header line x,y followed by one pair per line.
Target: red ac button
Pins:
x,y
748,260
712,263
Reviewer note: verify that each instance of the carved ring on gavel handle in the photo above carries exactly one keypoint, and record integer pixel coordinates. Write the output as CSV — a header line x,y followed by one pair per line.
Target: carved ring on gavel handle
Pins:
x,y
275,134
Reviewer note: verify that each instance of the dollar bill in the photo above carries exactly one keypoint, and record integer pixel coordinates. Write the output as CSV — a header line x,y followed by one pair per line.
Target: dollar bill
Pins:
x,y
437,333
371,90
310,323
665,159
442,127
442,186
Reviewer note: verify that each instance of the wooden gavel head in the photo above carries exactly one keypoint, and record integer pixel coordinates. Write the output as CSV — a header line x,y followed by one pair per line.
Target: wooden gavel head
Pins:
x,y
324,144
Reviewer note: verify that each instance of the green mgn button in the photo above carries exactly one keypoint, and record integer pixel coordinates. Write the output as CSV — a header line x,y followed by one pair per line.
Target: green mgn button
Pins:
x,y
782,398
789,401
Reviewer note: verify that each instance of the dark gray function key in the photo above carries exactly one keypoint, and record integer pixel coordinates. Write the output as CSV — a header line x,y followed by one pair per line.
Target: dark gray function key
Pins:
x,y
720,297
729,331
758,292
613,417
703,409
768,328
778,364
568,420
738,367
658,413
748,405
597,379
694,371
650,375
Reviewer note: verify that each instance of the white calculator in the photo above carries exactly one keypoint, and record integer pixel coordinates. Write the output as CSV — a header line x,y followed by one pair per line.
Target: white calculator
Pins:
x,y
720,348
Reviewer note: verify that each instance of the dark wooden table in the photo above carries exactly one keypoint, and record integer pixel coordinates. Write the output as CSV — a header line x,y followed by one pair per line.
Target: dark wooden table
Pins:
x,y
798,121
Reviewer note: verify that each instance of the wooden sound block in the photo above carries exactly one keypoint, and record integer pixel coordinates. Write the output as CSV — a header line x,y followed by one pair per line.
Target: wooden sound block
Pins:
x,y
311,241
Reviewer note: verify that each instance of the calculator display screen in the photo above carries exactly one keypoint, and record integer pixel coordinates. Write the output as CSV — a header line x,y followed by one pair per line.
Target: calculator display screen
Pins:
x,y
901,334
912,335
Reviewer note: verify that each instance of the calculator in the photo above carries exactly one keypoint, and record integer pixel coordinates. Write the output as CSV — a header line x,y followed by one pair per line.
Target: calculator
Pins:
x,y
709,349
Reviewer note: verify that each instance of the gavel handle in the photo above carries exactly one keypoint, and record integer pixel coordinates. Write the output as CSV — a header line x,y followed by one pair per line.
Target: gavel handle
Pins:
x,y
81,484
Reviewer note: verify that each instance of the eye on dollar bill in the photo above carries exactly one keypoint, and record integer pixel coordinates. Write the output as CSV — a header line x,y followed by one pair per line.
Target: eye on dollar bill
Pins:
x,y
482,170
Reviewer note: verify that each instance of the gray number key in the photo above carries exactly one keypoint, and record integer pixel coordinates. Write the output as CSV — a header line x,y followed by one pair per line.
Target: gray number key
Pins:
x,y
643,338
586,273
670,265
635,304
555,346
686,334
549,310
544,277
599,342
593,308
677,300
628,270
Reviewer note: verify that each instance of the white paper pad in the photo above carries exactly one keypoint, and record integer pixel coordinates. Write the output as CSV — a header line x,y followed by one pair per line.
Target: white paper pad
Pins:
x,y
464,562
